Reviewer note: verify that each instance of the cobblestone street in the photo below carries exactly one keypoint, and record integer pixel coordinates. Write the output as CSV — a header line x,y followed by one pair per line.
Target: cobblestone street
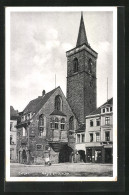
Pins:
x,y
62,169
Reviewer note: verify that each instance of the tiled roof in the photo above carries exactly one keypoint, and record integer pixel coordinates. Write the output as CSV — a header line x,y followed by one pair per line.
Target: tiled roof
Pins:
x,y
98,110
36,104
57,112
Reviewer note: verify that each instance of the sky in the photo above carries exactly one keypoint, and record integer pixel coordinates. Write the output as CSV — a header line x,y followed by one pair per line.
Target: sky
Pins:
x,y
38,45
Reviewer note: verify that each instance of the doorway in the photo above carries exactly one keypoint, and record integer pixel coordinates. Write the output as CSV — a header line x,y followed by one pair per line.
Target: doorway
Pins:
x,y
108,155
82,155
98,156
65,154
89,154
24,156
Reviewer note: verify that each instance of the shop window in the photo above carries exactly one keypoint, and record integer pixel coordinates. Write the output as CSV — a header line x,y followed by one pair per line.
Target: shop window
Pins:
x,y
71,123
56,123
58,103
97,122
107,136
75,65
91,123
78,138
39,147
97,137
83,137
107,120
62,123
91,137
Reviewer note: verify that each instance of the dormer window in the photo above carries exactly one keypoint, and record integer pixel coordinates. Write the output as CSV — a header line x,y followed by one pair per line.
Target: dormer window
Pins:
x,y
75,65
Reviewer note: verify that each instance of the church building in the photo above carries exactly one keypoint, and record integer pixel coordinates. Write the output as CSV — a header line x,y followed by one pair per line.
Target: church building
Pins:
x,y
49,123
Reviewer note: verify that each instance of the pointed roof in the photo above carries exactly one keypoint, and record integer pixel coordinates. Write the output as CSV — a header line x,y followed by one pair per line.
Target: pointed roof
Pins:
x,y
82,38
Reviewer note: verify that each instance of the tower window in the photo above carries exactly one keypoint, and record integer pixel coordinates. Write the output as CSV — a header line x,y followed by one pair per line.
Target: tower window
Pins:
x,y
90,63
71,123
58,103
75,65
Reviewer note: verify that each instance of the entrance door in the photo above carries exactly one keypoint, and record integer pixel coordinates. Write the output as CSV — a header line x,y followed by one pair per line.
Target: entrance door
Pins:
x,y
98,156
108,155
65,153
24,156
89,155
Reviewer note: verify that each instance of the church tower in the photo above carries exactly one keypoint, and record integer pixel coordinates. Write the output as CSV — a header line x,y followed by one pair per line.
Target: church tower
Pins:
x,y
81,76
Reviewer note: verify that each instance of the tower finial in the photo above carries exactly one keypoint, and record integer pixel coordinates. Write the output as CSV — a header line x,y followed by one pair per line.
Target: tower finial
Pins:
x,y
82,39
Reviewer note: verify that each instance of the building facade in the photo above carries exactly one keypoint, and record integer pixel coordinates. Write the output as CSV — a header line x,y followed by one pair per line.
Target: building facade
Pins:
x,y
13,139
96,144
46,129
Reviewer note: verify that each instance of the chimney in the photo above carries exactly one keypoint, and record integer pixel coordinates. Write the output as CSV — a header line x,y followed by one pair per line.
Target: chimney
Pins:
x,y
43,93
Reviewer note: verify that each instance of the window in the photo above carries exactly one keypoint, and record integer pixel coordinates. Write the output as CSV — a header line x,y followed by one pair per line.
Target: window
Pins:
x,y
91,137
97,122
83,137
71,123
103,110
23,131
62,123
70,133
25,117
11,125
107,109
107,136
91,123
11,140
78,138
52,123
107,120
56,123
110,109
58,103
41,124
75,65
90,65
97,137
39,147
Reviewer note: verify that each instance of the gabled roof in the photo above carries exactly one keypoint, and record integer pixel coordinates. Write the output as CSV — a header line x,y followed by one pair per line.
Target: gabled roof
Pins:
x,y
36,104
98,110
57,112
82,38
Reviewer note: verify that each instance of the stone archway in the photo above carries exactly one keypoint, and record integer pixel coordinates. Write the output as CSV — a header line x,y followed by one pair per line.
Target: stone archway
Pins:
x,y
65,154
82,156
24,156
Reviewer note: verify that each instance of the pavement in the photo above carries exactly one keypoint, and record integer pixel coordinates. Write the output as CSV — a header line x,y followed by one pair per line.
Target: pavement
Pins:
x,y
65,169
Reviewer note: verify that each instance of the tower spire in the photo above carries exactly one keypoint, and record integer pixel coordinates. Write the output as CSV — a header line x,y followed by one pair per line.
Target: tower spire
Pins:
x,y
82,38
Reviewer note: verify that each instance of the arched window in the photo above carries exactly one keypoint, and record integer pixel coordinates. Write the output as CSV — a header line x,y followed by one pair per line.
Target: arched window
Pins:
x,y
75,65
71,123
62,123
58,103
90,63
41,125
56,123
52,123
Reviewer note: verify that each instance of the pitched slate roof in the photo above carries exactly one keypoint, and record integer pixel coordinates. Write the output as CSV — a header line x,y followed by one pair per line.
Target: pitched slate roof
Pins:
x,y
57,112
98,110
36,104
